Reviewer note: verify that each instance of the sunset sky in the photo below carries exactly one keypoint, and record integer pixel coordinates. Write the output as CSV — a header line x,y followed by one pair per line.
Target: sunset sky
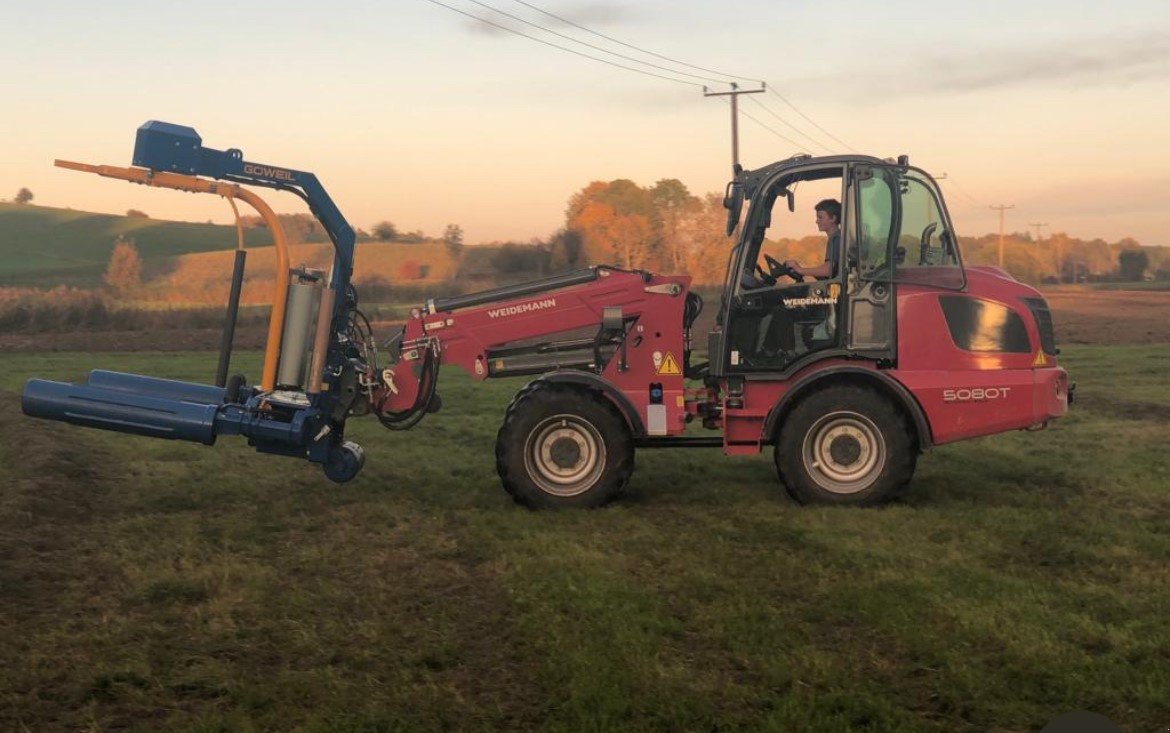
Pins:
x,y
411,112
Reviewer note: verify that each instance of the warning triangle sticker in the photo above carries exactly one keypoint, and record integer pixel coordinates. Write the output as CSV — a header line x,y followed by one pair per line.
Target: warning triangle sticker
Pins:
x,y
669,366
1039,361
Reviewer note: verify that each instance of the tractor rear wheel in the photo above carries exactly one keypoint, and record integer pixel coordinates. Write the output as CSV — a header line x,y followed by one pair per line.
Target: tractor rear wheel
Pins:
x,y
563,446
845,445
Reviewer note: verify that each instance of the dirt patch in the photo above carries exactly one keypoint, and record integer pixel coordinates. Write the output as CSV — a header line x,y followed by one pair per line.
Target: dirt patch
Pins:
x,y
1080,316
1109,318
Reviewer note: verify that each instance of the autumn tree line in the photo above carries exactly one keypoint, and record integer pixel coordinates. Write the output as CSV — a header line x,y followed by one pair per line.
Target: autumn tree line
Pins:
x,y
665,228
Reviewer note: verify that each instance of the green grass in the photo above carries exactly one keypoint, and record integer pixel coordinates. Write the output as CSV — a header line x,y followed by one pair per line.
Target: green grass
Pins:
x,y
151,585
44,246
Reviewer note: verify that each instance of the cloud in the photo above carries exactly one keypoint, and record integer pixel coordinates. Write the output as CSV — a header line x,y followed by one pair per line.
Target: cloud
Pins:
x,y
1100,62
1086,61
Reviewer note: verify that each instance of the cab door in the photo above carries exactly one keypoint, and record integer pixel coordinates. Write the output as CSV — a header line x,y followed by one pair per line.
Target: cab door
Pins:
x,y
900,235
870,249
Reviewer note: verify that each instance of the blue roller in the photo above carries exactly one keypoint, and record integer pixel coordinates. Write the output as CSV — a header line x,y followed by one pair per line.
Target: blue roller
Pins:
x,y
172,389
119,410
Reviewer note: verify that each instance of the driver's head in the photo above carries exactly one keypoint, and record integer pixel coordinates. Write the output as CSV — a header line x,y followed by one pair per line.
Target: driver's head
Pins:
x,y
828,215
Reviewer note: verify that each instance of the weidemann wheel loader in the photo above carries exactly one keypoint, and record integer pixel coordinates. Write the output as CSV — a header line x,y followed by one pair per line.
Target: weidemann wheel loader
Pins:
x,y
846,379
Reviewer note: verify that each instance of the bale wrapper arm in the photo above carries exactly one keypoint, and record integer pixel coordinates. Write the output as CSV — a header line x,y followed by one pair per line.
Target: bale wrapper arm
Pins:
x,y
295,410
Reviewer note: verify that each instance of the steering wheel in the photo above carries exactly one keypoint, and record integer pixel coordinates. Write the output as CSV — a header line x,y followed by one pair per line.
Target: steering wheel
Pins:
x,y
779,268
767,278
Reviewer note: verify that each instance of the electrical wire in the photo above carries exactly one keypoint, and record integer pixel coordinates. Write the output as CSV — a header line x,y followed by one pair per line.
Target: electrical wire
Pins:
x,y
680,63
767,109
644,72
636,48
799,146
960,189
562,48
809,119
595,48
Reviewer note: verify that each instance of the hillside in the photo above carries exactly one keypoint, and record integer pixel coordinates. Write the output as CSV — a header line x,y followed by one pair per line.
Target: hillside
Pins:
x,y
44,246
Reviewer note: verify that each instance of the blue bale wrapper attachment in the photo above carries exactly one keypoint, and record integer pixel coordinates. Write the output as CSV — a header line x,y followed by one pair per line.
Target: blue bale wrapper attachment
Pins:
x,y
301,415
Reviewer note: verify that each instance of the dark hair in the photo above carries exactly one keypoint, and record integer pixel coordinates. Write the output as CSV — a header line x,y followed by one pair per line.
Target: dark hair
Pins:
x,y
832,207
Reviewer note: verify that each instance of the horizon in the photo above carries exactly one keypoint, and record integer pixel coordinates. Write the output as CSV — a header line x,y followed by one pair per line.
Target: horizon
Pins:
x,y
532,241
424,117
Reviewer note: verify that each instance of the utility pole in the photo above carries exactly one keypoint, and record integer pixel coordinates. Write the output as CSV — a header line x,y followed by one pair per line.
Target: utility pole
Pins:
x,y
1059,269
1001,208
734,94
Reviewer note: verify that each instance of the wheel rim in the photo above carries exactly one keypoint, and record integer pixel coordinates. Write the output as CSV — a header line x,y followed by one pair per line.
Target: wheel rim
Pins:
x,y
844,452
564,455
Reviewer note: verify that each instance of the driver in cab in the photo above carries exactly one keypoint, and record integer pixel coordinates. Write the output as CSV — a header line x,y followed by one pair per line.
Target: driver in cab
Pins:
x,y
829,222
775,339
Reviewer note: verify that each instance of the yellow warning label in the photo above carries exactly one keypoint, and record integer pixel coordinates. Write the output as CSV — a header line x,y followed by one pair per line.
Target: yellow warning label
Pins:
x,y
1040,360
669,366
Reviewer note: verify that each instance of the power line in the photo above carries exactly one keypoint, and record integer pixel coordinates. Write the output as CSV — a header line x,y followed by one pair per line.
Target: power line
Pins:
x,y
595,48
790,125
961,190
772,130
639,61
561,48
810,120
689,66
636,48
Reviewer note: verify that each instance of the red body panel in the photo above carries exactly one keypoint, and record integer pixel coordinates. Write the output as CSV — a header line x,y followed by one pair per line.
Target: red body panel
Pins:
x,y
467,334
961,393
970,393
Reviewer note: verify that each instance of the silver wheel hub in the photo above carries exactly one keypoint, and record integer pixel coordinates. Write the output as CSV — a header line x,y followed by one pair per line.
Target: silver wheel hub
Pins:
x,y
564,455
844,452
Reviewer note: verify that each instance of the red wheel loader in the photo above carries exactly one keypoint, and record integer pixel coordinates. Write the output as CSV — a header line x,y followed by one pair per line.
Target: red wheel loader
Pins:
x,y
846,379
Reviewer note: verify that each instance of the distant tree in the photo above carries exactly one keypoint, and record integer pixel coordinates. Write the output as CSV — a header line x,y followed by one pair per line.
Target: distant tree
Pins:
x,y
412,237
124,272
567,250
611,237
513,257
136,214
453,238
23,196
672,204
385,231
1133,263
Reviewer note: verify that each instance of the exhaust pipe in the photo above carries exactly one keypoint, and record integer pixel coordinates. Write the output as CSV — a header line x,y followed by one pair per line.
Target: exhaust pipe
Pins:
x,y
155,415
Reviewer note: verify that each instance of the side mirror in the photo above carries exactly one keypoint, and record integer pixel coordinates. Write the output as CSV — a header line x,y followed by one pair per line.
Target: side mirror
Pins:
x,y
733,202
733,198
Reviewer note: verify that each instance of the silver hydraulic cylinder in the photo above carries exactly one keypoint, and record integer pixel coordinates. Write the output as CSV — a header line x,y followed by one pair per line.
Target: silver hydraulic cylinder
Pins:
x,y
304,290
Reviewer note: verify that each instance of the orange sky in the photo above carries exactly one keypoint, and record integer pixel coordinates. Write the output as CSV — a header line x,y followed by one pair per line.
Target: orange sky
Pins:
x,y
411,112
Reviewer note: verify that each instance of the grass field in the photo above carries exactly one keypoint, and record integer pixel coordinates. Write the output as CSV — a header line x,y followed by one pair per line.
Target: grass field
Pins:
x,y
149,585
44,246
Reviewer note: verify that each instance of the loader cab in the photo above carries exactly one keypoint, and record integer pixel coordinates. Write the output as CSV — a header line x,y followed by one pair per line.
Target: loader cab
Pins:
x,y
893,229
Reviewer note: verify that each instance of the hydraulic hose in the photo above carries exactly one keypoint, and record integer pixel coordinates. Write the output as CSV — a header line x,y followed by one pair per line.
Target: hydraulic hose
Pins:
x,y
408,418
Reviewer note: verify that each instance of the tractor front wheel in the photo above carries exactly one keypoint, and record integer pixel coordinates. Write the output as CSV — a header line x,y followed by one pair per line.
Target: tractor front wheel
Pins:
x,y
563,446
845,445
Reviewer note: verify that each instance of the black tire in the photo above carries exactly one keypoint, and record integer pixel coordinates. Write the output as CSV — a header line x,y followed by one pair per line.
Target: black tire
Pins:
x,y
563,446
845,445
344,462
